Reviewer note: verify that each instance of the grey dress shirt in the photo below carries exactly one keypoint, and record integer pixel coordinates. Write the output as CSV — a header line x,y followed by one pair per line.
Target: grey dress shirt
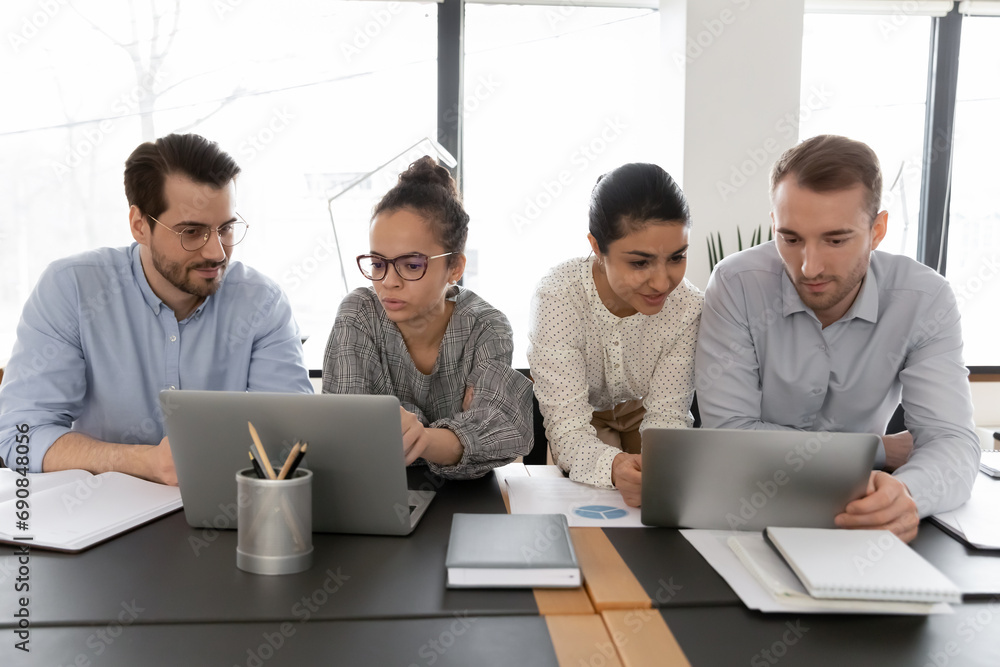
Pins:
x,y
764,361
366,354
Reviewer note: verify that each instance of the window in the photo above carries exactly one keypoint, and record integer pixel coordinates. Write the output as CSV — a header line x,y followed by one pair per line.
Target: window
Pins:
x,y
865,77
306,95
555,96
973,264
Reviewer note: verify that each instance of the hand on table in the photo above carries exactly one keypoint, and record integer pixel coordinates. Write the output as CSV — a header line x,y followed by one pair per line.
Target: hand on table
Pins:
x,y
626,476
887,505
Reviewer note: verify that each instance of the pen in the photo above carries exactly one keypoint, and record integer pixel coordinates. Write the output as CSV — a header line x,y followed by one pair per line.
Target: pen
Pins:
x,y
265,463
256,466
298,460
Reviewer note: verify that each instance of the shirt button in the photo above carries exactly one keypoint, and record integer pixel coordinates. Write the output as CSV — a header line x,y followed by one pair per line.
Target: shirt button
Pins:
x,y
817,392
616,343
822,347
172,340
616,365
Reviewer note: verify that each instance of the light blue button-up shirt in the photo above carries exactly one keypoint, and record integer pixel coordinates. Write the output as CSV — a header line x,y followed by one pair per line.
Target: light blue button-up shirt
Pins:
x,y
95,346
764,361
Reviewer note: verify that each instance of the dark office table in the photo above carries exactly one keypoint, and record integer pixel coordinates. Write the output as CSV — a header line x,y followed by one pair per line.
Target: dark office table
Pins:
x,y
179,574
167,593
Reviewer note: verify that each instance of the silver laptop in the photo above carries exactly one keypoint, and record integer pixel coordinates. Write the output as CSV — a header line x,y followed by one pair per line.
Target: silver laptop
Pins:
x,y
355,453
748,480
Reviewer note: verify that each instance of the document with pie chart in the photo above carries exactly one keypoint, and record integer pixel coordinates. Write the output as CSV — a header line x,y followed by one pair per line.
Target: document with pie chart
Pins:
x,y
583,505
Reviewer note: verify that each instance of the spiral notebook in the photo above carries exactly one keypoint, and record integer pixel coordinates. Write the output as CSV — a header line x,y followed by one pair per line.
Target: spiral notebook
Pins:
x,y
860,565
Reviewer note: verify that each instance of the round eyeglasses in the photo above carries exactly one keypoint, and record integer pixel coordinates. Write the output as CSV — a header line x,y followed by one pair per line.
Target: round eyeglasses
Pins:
x,y
194,236
411,266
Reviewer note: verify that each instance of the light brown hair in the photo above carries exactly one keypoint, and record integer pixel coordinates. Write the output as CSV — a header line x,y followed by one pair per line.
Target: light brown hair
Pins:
x,y
829,162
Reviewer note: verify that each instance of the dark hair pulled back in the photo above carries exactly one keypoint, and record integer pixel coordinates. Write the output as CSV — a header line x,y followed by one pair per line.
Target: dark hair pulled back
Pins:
x,y
429,190
629,197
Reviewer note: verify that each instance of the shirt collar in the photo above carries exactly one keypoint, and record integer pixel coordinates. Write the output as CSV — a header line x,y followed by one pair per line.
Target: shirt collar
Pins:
x,y
865,305
154,302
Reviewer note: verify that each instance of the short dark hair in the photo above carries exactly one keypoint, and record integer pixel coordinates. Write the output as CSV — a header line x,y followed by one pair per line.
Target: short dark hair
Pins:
x,y
147,168
629,197
428,189
828,162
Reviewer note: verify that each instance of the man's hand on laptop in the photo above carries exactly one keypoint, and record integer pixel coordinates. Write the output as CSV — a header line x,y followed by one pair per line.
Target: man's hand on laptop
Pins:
x,y
626,476
898,448
158,464
887,505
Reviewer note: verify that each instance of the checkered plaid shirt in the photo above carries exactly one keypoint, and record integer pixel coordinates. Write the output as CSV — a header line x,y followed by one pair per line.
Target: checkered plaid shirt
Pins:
x,y
366,354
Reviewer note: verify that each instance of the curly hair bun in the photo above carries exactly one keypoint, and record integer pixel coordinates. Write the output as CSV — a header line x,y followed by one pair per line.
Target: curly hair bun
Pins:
x,y
426,171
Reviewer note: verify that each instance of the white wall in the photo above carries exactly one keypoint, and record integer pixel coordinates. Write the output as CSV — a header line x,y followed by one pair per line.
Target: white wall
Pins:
x,y
737,74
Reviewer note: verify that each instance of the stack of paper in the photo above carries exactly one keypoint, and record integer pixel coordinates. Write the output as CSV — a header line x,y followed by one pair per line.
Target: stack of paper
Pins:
x,y
763,581
976,522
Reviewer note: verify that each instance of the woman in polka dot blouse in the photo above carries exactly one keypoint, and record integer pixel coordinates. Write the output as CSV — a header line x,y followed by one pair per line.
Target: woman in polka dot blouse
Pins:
x,y
612,336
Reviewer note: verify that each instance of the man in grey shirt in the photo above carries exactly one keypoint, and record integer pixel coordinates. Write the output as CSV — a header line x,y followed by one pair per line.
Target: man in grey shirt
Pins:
x,y
818,331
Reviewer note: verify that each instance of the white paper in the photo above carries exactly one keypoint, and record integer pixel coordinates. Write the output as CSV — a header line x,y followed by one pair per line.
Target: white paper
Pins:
x,y
712,545
583,505
73,511
978,520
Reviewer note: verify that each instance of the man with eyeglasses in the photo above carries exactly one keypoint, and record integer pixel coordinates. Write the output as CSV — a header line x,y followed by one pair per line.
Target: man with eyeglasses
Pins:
x,y
105,331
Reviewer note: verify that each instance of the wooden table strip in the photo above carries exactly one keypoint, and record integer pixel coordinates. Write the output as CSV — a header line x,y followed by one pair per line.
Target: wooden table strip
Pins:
x,y
642,638
609,582
582,640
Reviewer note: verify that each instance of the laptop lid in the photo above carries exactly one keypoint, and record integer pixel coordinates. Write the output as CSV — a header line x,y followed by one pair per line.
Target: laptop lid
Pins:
x,y
725,479
355,453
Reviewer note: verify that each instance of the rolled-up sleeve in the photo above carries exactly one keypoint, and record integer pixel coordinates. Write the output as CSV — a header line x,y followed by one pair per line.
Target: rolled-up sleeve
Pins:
x,y
45,382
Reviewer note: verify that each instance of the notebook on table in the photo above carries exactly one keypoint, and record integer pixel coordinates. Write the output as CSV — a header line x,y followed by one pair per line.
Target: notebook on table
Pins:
x,y
355,454
511,551
989,462
73,510
860,565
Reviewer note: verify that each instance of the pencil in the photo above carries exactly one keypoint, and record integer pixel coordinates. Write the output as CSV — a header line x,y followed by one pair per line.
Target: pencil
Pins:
x,y
288,461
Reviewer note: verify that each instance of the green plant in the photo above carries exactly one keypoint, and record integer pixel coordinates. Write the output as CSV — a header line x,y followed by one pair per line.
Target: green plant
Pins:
x,y
716,253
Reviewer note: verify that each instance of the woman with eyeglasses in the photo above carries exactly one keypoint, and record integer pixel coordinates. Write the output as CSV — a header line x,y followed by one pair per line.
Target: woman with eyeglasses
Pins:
x,y
612,336
415,334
